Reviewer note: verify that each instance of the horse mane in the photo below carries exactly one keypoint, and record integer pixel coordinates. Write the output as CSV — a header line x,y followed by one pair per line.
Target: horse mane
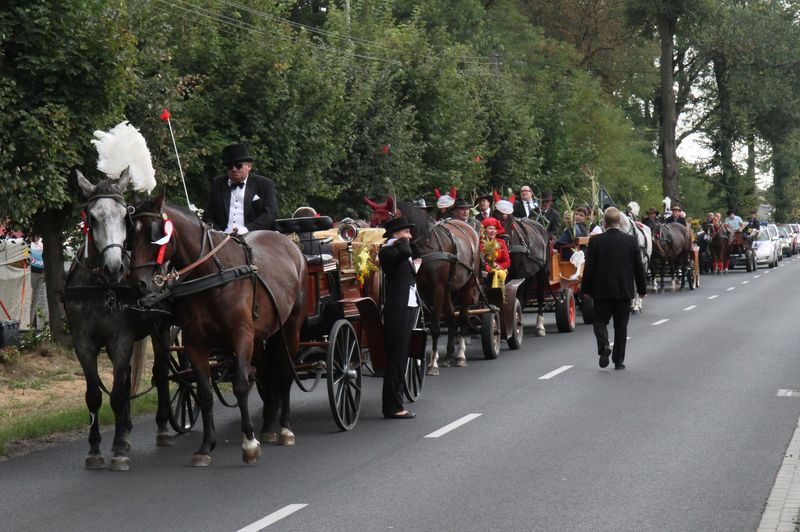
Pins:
x,y
422,220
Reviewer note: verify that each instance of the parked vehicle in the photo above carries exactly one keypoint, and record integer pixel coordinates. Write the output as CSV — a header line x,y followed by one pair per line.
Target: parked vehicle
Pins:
x,y
787,241
794,236
776,238
766,248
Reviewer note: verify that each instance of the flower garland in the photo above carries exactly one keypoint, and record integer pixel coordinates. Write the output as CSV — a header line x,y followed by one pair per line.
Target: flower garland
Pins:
x,y
364,266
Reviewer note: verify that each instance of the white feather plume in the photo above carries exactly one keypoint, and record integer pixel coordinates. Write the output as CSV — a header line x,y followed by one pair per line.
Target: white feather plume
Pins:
x,y
667,203
634,207
124,147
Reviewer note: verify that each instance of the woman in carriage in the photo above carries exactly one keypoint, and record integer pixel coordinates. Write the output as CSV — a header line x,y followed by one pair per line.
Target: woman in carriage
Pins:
x,y
495,253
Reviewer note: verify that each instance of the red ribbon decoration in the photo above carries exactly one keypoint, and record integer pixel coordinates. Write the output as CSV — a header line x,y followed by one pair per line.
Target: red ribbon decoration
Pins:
x,y
168,227
165,116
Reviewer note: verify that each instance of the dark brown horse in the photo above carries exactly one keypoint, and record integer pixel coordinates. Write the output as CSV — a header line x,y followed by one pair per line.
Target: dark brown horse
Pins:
x,y
530,260
720,244
246,297
447,278
672,244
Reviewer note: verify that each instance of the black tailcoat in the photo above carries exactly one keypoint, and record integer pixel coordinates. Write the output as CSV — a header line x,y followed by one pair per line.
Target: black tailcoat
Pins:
x,y
259,213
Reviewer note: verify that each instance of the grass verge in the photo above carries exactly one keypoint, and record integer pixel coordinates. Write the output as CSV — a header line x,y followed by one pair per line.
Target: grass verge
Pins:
x,y
42,424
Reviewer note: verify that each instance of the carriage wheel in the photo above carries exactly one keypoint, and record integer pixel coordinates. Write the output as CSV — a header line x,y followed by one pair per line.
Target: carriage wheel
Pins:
x,y
137,366
344,374
692,275
515,338
490,335
587,309
415,370
750,260
565,312
183,405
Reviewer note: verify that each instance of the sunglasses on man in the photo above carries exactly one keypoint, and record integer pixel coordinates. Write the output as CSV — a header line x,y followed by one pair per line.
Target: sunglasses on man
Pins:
x,y
238,166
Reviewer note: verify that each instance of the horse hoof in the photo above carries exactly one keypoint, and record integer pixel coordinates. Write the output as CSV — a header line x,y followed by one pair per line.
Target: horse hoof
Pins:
x,y
432,372
164,439
95,461
120,463
269,437
540,332
445,363
201,460
287,438
250,456
461,362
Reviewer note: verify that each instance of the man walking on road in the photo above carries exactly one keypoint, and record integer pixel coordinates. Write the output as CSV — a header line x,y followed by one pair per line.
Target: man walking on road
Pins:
x,y
613,264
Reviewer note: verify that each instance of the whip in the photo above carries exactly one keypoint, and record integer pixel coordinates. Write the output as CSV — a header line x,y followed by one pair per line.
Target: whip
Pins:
x,y
165,117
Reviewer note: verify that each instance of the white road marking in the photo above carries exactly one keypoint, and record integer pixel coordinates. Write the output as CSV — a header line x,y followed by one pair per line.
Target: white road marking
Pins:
x,y
730,288
691,307
659,322
787,393
453,426
715,296
612,343
555,372
768,271
756,276
274,517
745,282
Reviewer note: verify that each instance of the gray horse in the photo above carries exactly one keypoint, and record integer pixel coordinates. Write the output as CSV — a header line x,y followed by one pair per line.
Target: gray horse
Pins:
x,y
98,310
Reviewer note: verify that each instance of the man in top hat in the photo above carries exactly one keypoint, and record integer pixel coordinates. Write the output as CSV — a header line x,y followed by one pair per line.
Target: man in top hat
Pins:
x,y
484,207
525,206
241,201
652,218
460,211
397,259
677,216
549,212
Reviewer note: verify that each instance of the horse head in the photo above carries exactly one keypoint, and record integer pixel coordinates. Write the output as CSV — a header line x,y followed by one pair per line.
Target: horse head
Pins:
x,y
153,244
105,214
381,212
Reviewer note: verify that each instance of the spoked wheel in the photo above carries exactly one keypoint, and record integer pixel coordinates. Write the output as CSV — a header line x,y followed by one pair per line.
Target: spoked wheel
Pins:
x,y
137,366
490,335
344,374
183,404
415,369
565,312
515,334
222,368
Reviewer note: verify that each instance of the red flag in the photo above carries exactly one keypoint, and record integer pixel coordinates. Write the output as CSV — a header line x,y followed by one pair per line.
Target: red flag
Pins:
x,y
477,158
385,149
165,116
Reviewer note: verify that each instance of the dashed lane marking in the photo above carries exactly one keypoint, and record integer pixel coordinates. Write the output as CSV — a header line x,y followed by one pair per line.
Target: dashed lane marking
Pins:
x,y
756,276
272,518
555,372
452,426
730,288
715,296
659,322
745,282
691,307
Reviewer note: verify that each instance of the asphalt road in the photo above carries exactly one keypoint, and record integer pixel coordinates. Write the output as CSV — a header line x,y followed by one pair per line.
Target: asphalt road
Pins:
x,y
689,437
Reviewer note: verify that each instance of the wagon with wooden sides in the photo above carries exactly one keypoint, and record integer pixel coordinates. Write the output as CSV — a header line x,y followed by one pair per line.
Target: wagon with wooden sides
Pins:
x,y
342,335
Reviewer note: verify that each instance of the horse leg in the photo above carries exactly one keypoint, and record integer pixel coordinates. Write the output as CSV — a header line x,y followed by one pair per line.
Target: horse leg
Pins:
x,y
87,355
120,355
463,328
242,380
199,354
541,280
436,330
161,378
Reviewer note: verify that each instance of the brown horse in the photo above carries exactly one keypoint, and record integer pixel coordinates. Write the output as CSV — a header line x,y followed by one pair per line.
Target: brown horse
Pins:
x,y
672,244
248,297
720,245
446,280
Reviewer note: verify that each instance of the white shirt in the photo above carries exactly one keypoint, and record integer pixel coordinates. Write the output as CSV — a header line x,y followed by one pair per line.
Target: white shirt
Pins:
x,y
529,206
236,210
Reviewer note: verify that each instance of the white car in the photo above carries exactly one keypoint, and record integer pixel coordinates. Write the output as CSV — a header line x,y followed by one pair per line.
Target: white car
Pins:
x,y
766,248
775,235
787,241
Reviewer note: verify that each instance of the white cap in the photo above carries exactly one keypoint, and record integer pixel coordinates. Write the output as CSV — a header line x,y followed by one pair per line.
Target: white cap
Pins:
x,y
504,206
445,202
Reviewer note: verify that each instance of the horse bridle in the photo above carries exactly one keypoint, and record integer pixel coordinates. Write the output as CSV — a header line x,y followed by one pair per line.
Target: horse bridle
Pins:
x,y
119,198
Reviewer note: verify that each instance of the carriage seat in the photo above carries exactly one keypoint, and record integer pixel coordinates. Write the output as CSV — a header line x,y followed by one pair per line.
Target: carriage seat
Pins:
x,y
316,250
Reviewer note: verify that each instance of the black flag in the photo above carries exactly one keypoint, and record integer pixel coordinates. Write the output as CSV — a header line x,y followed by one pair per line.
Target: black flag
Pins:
x,y
605,199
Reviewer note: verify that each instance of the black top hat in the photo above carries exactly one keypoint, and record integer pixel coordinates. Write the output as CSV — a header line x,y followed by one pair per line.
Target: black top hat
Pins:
x,y
396,224
651,210
487,197
235,153
460,203
546,196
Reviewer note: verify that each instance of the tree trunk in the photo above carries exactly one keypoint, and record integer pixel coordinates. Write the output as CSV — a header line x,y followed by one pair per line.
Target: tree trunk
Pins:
x,y
725,136
783,168
50,224
751,160
668,119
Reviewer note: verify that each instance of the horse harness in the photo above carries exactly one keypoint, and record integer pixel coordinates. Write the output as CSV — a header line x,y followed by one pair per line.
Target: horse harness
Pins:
x,y
527,246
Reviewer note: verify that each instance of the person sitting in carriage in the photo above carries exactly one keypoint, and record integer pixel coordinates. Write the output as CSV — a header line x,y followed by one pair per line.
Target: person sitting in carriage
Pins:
x,y
494,250
575,229
503,213
733,221
710,224
752,224
652,218
460,211
444,202
677,216
484,207
550,214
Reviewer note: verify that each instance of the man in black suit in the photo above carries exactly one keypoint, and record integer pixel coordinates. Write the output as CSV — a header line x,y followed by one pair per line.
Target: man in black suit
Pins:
x,y
241,201
484,207
550,214
525,206
613,263
399,312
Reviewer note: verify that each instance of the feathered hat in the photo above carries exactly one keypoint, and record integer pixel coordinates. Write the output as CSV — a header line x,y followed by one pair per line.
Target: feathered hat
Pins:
x,y
124,147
